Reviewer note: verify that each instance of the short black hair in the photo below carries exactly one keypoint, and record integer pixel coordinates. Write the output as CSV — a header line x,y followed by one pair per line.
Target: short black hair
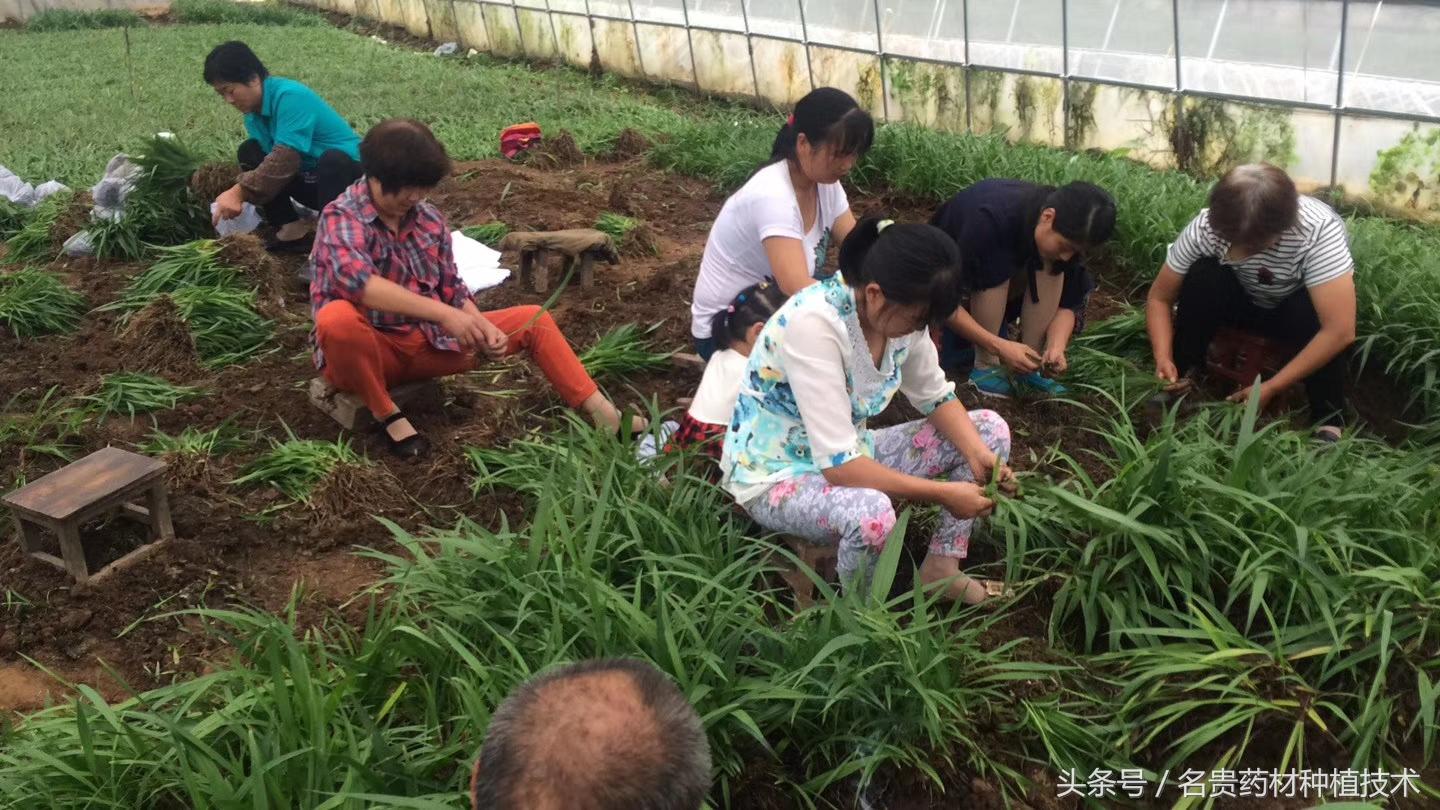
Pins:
x,y
1084,213
402,153
233,61
539,751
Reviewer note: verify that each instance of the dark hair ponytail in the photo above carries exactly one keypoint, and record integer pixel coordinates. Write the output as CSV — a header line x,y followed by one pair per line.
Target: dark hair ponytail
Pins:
x,y
1084,213
826,116
755,304
912,264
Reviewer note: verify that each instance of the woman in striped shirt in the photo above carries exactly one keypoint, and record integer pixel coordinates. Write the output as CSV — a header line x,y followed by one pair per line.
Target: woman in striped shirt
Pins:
x,y
1264,258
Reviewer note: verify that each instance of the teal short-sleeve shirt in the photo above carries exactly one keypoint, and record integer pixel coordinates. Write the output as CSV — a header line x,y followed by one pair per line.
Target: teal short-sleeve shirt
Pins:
x,y
293,115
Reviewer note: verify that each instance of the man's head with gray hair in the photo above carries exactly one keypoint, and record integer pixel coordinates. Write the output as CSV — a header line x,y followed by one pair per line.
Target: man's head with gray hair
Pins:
x,y
612,734
1253,204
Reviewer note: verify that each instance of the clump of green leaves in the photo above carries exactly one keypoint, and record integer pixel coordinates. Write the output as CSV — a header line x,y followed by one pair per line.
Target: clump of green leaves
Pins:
x,y
33,240
622,352
160,209
489,234
64,19
224,323
618,226
195,443
12,218
35,302
295,466
220,313
127,393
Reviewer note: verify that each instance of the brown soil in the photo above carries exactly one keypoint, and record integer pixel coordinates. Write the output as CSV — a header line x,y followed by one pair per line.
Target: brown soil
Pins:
x,y
211,179
629,144
73,219
157,340
270,277
558,152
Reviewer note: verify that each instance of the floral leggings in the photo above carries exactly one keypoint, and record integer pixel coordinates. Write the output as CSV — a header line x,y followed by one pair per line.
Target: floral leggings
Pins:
x,y
858,520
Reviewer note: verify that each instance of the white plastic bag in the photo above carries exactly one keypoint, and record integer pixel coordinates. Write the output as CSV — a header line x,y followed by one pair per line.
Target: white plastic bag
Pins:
x,y
248,221
479,266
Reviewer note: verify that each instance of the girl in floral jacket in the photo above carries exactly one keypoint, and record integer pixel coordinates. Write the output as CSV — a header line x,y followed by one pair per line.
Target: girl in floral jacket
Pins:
x,y
798,455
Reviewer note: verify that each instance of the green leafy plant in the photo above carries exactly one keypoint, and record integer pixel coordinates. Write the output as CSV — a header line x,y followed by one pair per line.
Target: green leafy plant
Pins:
x,y
490,233
295,466
33,241
622,352
34,302
193,442
229,13
126,393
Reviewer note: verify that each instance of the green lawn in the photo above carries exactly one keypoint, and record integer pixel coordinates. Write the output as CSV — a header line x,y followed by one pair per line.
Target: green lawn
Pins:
x,y
77,104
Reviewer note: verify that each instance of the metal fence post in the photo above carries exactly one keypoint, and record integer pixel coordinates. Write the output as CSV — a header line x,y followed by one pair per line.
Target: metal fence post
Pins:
x,y
639,51
484,27
966,70
554,34
1065,72
880,59
1179,81
750,48
519,29
805,42
689,42
1339,96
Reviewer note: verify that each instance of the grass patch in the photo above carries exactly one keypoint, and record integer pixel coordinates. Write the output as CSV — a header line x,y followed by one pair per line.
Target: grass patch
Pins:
x,y
294,467
195,443
36,302
33,240
622,352
63,19
232,13
128,394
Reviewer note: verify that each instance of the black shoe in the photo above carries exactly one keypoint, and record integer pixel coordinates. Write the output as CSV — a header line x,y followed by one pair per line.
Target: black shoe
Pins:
x,y
299,246
408,447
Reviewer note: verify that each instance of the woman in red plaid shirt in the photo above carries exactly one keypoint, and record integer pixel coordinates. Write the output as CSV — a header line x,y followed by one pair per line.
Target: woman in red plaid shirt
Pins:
x,y
389,304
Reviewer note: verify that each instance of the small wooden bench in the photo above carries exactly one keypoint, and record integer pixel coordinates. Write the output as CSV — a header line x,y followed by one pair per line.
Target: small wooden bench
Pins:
x,y
584,246
102,482
1239,356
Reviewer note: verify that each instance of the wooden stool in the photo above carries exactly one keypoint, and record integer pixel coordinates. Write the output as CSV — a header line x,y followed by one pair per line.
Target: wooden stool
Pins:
x,y
350,411
583,245
1239,356
104,481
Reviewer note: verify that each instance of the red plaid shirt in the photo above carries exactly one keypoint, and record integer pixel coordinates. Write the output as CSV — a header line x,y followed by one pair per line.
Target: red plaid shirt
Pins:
x,y
352,244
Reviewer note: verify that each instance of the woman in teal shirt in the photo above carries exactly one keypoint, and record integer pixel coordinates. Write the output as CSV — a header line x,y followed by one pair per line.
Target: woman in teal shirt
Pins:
x,y
299,147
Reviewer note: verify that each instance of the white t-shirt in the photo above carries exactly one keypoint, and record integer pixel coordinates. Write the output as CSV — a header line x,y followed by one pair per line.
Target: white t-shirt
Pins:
x,y
735,251
719,388
1311,253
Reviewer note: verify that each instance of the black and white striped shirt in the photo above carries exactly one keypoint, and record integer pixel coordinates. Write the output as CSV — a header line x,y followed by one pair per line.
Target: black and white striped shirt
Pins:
x,y
1313,252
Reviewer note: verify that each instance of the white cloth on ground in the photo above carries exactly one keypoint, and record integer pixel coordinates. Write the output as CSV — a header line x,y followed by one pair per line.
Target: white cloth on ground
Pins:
x,y
478,264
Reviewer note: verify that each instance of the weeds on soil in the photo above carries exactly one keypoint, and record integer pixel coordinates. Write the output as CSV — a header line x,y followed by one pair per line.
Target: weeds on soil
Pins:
x,y
62,19
217,441
223,12
35,302
128,394
295,466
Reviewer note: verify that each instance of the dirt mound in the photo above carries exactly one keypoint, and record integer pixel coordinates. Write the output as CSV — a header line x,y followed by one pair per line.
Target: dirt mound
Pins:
x,y
559,152
640,241
74,218
347,498
157,339
245,252
211,179
629,144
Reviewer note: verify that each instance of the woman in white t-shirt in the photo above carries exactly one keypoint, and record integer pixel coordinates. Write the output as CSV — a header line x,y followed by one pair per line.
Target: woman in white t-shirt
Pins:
x,y
1264,258
781,223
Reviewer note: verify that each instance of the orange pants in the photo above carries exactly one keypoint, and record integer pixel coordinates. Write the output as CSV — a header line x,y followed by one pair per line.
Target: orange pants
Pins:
x,y
364,360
